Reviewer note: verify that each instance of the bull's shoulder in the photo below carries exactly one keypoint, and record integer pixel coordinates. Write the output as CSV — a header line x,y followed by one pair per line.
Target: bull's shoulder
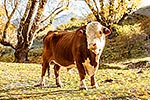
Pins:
x,y
52,34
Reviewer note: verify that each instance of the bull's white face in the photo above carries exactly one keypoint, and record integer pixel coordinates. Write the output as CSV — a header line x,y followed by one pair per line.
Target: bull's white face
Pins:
x,y
95,37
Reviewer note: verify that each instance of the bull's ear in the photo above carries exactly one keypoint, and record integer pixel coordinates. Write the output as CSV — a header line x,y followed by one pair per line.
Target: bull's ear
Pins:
x,y
82,31
106,31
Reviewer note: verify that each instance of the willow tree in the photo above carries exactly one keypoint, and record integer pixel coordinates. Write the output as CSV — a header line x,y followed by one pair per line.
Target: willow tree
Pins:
x,y
109,12
30,19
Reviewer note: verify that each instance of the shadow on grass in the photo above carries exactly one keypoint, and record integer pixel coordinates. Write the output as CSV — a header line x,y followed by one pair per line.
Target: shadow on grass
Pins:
x,y
107,66
49,92
131,97
31,92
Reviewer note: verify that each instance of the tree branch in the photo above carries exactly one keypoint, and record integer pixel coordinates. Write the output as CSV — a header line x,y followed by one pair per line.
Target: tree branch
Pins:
x,y
37,20
91,7
5,7
28,20
24,16
6,43
3,40
54,10
96,6
54,13
59,6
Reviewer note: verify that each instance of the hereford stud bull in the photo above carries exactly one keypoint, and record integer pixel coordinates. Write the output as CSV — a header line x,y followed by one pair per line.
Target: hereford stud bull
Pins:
x,y
82,47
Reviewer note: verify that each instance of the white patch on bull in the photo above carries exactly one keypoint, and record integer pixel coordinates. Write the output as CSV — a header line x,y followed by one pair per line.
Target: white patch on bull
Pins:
x,y
90,70
83,85
58,82
42,81
100,43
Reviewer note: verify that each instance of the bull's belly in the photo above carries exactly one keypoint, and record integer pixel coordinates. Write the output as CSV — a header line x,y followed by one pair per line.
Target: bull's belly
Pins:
x,y
63,58
64,63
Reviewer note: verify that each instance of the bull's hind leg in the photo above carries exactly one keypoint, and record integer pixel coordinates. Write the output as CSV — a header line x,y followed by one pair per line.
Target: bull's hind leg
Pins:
x,y
45,65
82,75
56,71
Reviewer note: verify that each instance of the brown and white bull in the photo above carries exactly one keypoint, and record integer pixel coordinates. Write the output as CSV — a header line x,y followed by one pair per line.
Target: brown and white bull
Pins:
x,y
82,47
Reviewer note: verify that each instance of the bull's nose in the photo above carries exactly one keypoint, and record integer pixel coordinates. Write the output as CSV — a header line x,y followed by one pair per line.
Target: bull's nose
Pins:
x,y
94,44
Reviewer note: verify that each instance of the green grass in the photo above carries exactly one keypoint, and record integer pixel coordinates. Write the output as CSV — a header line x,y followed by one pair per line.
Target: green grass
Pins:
x,y
17,82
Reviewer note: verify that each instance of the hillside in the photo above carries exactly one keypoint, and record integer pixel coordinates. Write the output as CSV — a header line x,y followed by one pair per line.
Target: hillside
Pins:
x,y
143,11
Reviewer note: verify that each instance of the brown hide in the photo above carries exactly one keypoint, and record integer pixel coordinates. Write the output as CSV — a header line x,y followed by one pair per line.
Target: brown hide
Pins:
x,y
65,47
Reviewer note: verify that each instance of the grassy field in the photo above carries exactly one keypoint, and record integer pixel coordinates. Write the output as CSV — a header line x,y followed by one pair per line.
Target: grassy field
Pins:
x,y
115,83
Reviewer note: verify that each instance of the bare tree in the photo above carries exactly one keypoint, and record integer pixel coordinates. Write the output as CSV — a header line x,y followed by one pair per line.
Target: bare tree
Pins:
x,y
29,24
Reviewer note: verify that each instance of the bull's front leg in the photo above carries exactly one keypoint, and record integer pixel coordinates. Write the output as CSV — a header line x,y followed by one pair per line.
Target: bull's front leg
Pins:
x,y
93,79
56,71
82,75
93,82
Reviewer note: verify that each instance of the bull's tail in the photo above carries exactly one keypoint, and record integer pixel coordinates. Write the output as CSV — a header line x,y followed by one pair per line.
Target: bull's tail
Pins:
x,y
48,71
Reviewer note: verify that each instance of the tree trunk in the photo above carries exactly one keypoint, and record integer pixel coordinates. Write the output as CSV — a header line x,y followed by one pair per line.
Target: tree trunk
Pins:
x,y
28,26
23,44
21,53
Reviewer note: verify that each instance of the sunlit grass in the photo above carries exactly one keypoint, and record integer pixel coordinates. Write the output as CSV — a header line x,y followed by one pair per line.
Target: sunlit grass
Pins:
x,y
18,80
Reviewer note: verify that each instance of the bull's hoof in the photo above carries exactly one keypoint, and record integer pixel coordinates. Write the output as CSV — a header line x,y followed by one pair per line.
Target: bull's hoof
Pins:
x,y
83,88
95,86
60,85
39,85
48,76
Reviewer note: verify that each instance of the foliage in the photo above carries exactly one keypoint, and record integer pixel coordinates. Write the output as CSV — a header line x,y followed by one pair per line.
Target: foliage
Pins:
x,y
18,80
145,25
11,29
131,41
74,23
112,11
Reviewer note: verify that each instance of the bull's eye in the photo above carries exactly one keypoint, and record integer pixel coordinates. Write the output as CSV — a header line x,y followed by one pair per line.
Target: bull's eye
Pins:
x,y
100,32
104,30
